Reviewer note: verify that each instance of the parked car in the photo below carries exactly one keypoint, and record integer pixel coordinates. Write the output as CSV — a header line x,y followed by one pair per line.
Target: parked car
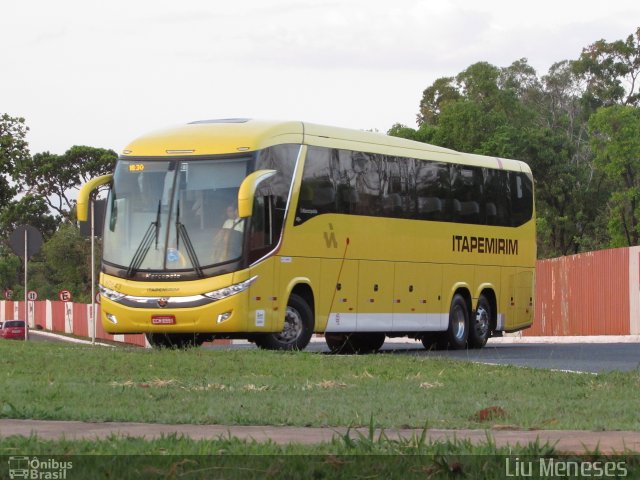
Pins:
x,y
12,329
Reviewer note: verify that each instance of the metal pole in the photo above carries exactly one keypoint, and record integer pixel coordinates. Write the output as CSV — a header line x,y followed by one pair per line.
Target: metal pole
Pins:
x,y
26,308
93,271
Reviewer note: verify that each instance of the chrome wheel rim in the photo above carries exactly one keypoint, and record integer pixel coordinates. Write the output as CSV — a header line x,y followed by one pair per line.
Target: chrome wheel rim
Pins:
x,y
482,322
459,323
292,326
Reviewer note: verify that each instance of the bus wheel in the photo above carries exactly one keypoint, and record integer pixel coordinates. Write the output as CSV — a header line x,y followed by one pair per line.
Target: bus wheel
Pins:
x,y
432,340
458,331
298,328
480,324
350,343
174,340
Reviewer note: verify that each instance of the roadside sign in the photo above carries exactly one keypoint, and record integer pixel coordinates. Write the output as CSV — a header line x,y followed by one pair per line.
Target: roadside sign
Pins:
x,y
8,294
25,240
32,295
64,295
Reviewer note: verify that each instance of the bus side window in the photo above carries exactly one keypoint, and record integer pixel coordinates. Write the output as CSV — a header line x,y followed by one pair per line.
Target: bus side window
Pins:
x,y
497,197
466,194
317,191
521,198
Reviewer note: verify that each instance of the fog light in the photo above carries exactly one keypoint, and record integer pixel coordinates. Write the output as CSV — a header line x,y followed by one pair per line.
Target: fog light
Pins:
x,y
112,318
223,316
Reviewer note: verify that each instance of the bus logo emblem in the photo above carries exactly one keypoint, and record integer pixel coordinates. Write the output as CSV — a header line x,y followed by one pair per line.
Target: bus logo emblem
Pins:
x,y
330,238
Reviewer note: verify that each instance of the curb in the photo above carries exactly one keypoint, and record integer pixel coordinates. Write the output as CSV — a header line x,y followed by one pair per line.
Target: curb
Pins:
x,y
577,442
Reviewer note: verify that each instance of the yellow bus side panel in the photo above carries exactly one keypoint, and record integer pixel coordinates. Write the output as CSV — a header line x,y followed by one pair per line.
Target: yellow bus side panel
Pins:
x,y
417,297
337,307
289,272
517,296
263,298
375,296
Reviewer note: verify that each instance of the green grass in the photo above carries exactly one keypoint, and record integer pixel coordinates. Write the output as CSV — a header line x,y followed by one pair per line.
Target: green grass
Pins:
x,y
42,380
362,457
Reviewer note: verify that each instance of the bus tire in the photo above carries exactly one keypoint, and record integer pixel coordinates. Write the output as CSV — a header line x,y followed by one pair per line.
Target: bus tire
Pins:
x,y
298,328
480,327
174,340
354,343
458,330
431,340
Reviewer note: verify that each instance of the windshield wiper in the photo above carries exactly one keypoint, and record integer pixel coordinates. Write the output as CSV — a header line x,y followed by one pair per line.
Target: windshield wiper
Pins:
x,y
145,244
181,232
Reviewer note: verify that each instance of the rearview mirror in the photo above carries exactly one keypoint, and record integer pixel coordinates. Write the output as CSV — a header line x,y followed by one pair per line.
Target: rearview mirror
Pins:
x,y
248,189
82,205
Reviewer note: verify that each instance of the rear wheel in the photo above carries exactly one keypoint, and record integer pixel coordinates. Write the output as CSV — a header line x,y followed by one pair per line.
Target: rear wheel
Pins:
x,y
458,332
350,343
480,324
297,331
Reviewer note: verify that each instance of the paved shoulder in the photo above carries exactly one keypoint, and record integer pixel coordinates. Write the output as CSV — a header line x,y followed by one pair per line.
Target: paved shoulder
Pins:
x,y
565,441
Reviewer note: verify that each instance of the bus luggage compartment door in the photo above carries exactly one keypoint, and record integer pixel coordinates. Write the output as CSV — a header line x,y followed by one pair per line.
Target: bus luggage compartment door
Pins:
x,y
417,298
375,296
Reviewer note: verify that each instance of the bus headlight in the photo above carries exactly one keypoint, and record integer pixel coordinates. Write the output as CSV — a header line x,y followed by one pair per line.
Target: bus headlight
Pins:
x,y
230,290
110,294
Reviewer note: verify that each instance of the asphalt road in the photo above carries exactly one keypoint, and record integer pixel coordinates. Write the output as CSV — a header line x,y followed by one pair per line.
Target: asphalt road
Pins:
x,y
576,357
579,354
37,336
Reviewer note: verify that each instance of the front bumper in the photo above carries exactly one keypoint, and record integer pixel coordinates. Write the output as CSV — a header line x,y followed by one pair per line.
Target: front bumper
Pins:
x,y
224,310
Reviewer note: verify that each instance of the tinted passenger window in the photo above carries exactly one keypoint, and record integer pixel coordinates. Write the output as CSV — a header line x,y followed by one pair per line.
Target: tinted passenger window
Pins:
x,y
497,197
342,181
317,191
521,198
433,187
467,196
370,173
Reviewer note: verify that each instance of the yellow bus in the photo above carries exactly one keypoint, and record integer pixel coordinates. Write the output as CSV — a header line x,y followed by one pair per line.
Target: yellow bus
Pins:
x,y
274,231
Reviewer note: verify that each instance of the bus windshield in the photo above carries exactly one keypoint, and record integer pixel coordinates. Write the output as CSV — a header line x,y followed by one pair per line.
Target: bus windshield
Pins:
x,y
175,215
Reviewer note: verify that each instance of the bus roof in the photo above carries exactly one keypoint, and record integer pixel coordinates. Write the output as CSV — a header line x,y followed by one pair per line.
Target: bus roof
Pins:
x,y
236,135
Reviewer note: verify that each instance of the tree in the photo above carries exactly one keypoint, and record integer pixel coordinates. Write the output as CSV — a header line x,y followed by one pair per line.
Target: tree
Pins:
x,y
54,177
510,112
402,131
9,268
616,141
434,97
612,71
28,210
481,103
47,182
63,263
479,83
572,192
13,150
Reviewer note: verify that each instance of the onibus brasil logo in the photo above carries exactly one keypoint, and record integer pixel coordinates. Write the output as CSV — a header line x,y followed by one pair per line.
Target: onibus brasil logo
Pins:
x,y
37,468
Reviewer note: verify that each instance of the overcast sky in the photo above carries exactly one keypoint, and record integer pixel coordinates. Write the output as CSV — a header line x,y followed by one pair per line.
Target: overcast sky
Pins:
x,y
100,73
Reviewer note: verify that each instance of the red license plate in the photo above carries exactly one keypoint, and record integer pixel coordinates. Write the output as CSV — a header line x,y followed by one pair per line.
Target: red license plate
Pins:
x,y
163,319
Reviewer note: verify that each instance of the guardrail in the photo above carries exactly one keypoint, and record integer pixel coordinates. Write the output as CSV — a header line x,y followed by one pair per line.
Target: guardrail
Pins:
x,y
64,317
